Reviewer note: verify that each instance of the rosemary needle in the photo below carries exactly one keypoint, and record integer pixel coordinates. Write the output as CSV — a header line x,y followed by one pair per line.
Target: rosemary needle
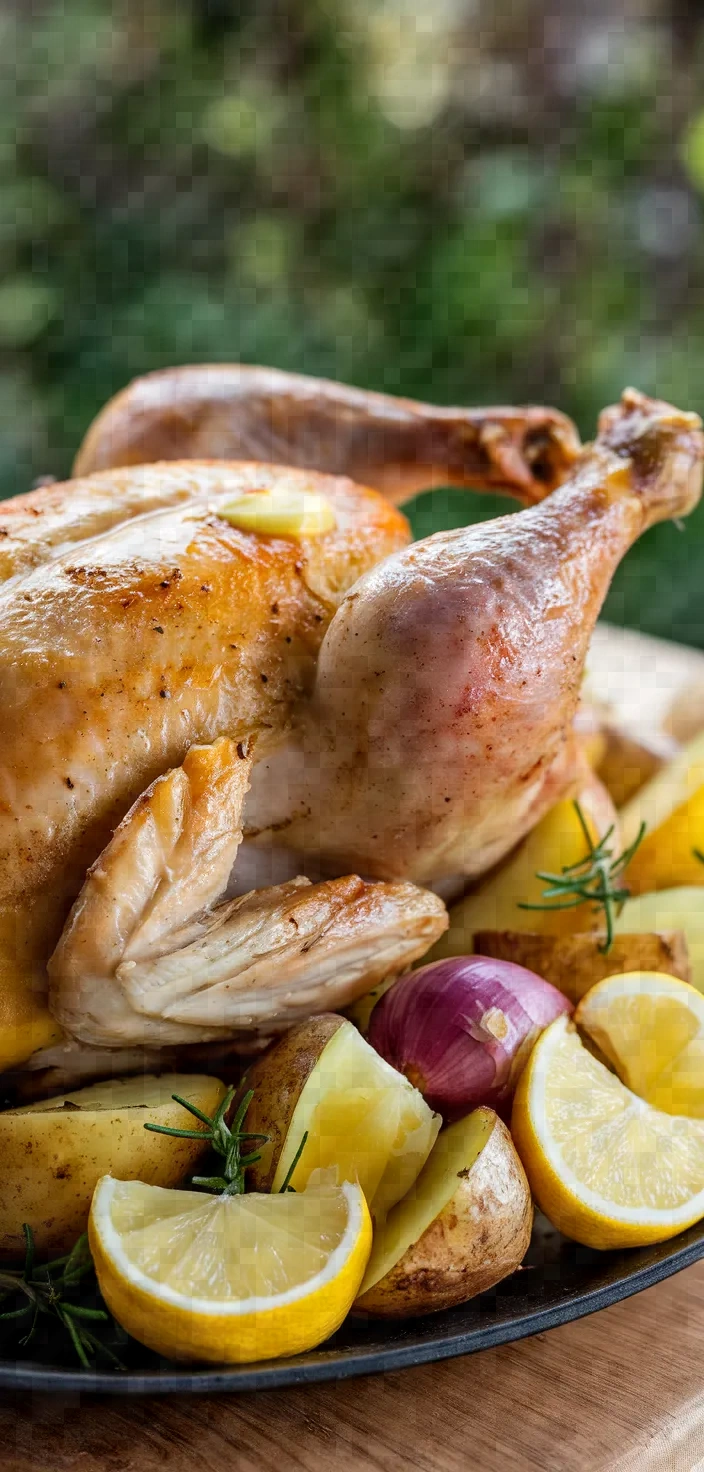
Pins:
x,y
47,1292
226,1140
592,880
286,1183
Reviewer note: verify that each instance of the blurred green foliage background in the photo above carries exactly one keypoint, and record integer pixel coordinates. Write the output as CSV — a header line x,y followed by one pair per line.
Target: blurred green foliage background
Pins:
x,y
468,201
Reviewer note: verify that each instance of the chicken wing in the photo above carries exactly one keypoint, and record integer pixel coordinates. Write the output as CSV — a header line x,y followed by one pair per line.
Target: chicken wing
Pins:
x,y
148,958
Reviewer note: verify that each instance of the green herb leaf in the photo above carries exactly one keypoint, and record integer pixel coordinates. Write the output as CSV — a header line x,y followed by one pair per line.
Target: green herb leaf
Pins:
x,y
592,880
48,1290
229,1141
286,1187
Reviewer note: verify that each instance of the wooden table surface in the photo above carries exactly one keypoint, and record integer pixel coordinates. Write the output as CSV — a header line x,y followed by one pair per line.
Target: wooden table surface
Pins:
x,y
622,1390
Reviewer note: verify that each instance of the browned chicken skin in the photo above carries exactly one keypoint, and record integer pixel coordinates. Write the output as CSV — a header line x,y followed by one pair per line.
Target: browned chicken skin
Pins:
x,y
136,622
149,956
229,411
422,737
440,728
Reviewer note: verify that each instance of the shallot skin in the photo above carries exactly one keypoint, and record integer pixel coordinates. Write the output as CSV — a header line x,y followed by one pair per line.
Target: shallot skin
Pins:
x,y
462,1029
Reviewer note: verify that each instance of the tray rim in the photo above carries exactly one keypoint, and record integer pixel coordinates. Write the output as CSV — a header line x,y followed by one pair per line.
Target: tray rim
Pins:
x,y
314,1367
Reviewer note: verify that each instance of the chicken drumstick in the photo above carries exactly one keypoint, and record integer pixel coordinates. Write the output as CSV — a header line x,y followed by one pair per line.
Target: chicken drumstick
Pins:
x,y
440,728
233,412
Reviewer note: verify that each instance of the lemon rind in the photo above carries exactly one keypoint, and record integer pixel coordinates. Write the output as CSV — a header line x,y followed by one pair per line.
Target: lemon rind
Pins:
x,y
652,983
639,1216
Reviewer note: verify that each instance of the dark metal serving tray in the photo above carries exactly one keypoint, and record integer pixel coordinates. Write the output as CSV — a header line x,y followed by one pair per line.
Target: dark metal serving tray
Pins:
x,y
558,1282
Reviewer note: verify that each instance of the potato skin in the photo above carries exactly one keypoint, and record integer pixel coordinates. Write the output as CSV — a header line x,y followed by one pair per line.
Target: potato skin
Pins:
x,y
628,763
574,963
277,1078
53,1159
480,1237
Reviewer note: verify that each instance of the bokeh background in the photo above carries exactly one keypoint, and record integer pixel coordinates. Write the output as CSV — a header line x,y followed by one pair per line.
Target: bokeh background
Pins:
x,y
466,200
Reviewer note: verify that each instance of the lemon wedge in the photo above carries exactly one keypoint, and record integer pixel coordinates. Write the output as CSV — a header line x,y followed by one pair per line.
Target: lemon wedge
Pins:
x,y
604,1166
228,1278
650,1028
287,510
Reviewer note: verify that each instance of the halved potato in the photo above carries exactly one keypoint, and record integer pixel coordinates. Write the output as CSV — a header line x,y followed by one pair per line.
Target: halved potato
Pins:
x,y
675,784
464,1226
361,1116
574,963
685,716
54,1152
668,910
628,762
668,856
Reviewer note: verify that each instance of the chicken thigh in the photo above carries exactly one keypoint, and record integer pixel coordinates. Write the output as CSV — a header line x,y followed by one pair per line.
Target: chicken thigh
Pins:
x,y
440,728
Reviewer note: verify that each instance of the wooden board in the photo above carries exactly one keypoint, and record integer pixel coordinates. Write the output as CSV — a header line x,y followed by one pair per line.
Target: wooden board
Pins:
x,y
622,1391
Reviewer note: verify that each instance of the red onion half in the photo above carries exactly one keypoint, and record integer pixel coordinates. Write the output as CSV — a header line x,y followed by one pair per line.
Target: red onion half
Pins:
x,y
462,1029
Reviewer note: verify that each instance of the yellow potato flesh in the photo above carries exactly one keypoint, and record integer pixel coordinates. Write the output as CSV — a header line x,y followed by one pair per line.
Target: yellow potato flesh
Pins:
x,y
55,1151
670,909
451,1159
674,785
363,1119
667,856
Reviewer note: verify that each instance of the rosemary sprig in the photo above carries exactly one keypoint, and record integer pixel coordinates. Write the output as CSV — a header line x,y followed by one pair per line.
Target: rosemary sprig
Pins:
x,y
226,1140
49,1291
592,880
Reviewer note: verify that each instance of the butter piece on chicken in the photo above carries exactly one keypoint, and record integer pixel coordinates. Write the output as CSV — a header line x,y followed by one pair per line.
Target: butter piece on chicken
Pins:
x,y
135,621
148,957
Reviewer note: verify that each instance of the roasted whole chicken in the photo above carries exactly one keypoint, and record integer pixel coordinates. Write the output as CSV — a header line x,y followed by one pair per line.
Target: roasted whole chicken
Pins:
x,y
236,767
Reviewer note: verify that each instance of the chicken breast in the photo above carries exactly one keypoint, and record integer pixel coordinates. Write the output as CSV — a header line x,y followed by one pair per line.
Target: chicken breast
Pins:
x,y
134,622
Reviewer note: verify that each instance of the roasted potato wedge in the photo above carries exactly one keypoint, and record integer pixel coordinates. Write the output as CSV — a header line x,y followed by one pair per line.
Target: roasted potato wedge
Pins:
x,y
673,785
323,1088
464,1226
628,762
665,911
685,717
574,963
54,1152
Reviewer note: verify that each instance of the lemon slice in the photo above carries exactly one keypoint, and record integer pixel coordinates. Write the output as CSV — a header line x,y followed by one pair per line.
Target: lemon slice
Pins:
x,y
228,1278
604,1166
650,1027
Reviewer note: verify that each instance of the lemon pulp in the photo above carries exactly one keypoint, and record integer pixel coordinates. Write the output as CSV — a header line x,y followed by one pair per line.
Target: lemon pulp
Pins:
x,y
606,1167
650,1027
228,1278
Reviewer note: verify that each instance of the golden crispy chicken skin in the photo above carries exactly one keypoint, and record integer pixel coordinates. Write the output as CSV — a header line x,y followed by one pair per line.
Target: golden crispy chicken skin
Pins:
x,y
401,712
149,957
229,411
135,621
